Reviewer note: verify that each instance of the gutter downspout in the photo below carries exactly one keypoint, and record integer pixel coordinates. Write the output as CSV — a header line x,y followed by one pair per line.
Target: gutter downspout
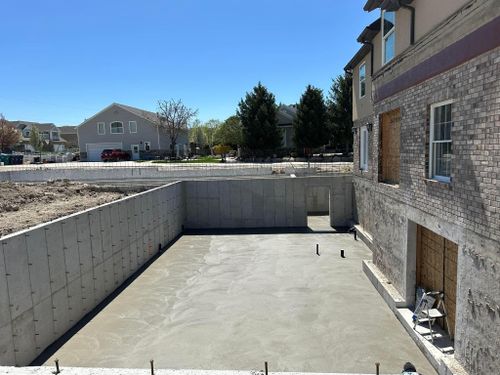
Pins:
x,y
412,23
371,56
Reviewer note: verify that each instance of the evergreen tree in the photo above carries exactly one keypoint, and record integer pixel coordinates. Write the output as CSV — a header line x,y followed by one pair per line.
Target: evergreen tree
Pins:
x,y
258,116
340,112
311,125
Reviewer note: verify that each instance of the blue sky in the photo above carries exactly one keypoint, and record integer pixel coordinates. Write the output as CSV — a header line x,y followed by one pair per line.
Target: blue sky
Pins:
x,y
63,61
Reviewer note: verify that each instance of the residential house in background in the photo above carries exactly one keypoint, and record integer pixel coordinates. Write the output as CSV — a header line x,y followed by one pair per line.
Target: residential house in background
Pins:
x,y
70,135
426,111
127,128
48,132
286,117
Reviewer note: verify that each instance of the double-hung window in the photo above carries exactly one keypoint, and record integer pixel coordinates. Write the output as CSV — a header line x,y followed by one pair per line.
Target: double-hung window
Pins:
x,y
101,128
363,148
388,36
362,80
132,126
440,150
116,127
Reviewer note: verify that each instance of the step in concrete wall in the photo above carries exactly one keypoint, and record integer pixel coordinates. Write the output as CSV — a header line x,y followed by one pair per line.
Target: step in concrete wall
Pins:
x,y
54,274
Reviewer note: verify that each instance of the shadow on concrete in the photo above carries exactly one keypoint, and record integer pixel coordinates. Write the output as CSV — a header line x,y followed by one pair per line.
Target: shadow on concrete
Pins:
x,y
56,345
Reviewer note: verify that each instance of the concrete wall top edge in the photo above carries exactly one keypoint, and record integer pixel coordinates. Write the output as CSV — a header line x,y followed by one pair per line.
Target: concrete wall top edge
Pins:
x,y
88,210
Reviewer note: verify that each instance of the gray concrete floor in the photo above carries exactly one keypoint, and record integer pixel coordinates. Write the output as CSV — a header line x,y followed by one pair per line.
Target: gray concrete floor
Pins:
x,y
235,301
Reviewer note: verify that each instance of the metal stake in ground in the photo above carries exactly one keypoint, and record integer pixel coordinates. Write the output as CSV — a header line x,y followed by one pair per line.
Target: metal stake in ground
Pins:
x,y
377,368
342,253
317,249
57,367
265,368
151,362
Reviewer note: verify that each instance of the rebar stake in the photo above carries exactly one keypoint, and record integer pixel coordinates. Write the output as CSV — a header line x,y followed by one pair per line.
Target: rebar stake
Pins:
x,y
355,235
57,366
377,368
151,362
342,253
265,368
317,249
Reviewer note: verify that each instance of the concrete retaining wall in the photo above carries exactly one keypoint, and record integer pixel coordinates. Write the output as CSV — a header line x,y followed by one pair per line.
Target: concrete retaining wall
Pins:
x,y
135,173
53,274
263,203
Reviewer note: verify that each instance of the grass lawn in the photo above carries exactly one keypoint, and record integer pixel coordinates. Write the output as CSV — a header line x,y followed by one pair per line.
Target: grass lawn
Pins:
x,y
203,159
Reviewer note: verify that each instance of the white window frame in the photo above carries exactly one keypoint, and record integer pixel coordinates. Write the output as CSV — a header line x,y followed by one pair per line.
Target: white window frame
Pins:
x,y
148,143
432,163
130,123
385,37
111,127
363,65
363,148
103,128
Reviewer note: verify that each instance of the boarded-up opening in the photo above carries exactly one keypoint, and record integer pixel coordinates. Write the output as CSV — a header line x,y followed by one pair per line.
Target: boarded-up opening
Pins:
x,y
437,270
390,132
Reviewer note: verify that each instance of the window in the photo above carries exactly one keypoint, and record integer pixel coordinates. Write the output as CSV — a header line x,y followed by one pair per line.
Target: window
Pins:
x,y
147,146
132,126
101,128
440,151
388,36
116,127
362,80
363,148
55,136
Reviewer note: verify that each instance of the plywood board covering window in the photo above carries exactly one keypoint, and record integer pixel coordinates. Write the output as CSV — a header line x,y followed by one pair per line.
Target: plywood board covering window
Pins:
x,y
390,135
437,269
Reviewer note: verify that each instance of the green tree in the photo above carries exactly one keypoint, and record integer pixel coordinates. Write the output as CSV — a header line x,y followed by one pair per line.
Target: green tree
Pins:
x,y
340,112
36,140
230,132
196,135
258,116
311,128
209,130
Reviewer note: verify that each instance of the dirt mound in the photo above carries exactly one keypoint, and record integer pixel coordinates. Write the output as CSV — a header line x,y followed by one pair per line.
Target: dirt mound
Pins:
x,y
25,205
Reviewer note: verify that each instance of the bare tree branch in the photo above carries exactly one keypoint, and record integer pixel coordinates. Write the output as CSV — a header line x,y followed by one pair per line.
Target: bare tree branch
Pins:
x,y
173,117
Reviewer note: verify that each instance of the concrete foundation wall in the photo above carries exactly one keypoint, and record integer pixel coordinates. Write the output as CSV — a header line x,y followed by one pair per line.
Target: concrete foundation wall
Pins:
x,y
53,274
263,203
318,200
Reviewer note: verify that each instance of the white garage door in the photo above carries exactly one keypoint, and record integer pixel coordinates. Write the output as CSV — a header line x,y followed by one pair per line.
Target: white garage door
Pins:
x,y
94,150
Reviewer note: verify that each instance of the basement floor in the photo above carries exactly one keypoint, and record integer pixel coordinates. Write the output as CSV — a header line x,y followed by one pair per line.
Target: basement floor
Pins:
x,y
234,301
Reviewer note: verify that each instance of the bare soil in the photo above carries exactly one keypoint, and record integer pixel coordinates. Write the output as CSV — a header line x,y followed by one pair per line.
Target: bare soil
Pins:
x,y
23,205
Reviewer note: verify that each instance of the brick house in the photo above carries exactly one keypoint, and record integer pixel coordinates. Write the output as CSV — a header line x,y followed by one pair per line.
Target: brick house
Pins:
x,y
426,112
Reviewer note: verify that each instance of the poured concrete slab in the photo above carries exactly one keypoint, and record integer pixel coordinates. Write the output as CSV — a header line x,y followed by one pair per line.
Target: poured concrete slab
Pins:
x,y
235,301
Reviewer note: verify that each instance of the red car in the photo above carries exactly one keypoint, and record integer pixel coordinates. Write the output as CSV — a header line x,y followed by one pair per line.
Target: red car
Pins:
x,y
114,155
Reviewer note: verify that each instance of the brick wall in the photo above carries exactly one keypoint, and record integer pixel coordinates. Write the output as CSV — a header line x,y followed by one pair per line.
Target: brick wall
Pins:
x,y
472,199
466,210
